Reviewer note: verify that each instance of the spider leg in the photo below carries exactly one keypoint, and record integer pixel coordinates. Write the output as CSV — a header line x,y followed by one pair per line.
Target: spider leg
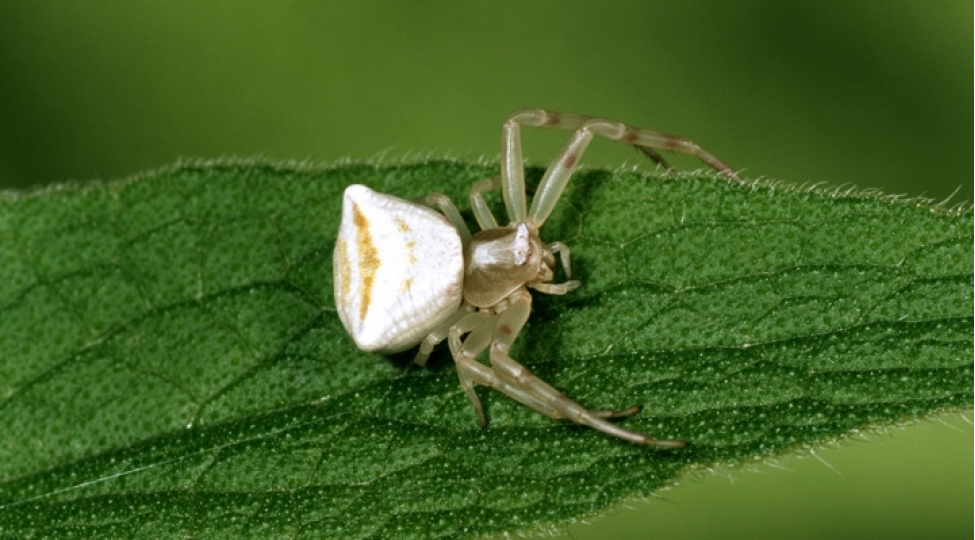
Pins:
x,y
655,157
555,288
470,371
562,250
616,413
525,387
562,167
542,283
439,200
512,170
439,334
482,213
480,324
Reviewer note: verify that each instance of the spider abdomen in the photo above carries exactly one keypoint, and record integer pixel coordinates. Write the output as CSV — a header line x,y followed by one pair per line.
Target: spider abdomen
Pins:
x,y
398,269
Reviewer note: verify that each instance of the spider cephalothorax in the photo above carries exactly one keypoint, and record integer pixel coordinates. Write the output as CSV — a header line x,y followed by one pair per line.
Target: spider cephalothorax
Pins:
x,y
405,274
499,261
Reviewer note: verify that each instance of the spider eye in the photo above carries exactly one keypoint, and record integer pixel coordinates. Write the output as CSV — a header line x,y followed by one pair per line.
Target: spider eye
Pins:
x,y
522,245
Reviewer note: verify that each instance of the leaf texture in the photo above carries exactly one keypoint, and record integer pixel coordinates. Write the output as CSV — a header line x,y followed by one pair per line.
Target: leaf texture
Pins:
x,y
171,363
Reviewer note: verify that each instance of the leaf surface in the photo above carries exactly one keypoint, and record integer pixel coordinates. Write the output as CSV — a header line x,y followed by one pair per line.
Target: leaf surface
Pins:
x,y
171,363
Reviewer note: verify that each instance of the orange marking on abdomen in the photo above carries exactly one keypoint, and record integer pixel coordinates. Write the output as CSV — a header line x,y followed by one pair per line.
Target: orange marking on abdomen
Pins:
x,y
345,271
368,259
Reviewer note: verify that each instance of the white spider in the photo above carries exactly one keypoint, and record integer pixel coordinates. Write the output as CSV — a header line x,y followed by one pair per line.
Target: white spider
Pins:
x,y
406,275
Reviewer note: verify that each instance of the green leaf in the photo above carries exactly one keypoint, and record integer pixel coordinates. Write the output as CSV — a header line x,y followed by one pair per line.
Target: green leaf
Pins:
x,y
171,363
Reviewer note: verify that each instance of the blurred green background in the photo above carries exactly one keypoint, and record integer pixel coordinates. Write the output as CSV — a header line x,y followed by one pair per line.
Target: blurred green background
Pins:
x,y
861,93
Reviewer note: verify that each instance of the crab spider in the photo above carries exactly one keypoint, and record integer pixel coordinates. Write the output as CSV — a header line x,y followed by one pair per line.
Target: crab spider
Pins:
x,y
407,275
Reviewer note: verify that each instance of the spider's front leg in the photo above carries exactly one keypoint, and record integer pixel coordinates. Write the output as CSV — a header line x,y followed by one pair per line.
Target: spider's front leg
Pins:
x,y
561,168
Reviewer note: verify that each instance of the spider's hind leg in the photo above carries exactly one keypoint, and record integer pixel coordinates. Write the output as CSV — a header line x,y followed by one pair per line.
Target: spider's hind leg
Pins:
x,y
519,383
439,334
479,325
